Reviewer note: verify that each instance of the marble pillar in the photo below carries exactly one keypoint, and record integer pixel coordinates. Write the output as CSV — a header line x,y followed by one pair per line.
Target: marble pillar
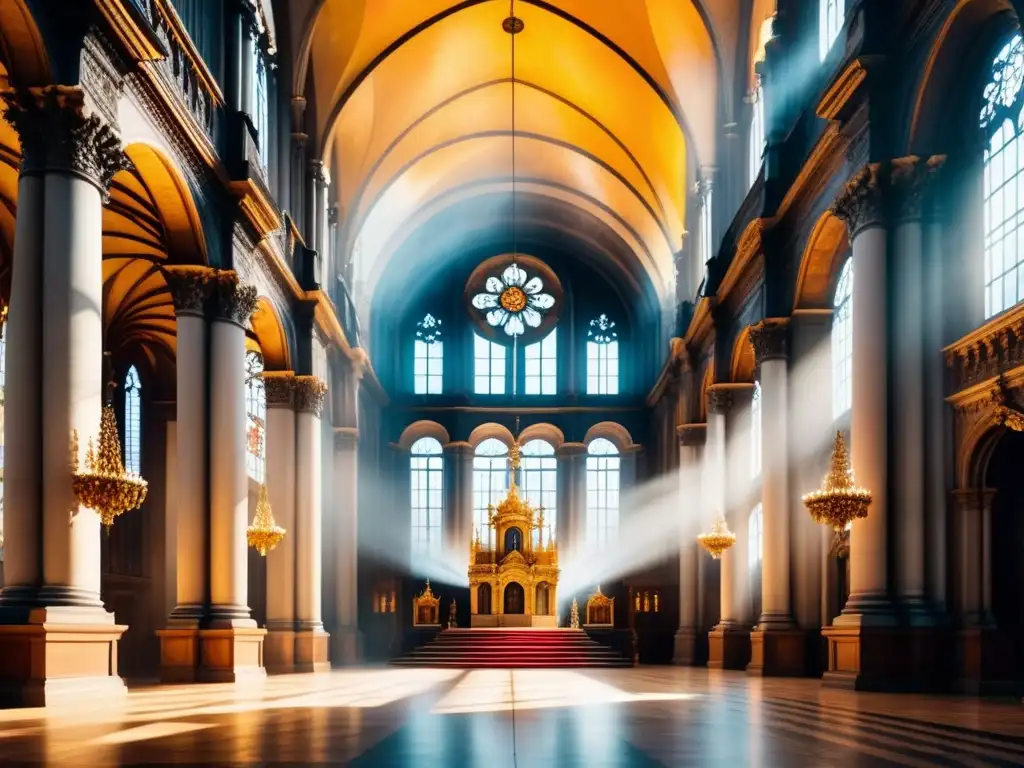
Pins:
x,y
729,640
777,645
691,446
458,513
570,526
279,647
56,638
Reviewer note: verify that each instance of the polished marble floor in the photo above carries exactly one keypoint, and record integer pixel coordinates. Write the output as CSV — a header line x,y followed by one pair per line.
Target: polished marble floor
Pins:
x,y
648,716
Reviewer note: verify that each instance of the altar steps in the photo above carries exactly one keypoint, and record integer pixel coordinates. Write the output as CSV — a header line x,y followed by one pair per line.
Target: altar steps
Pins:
x,y
512,649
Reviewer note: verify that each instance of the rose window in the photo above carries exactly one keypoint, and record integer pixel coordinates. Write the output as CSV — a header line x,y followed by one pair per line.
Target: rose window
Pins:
x,y
514,301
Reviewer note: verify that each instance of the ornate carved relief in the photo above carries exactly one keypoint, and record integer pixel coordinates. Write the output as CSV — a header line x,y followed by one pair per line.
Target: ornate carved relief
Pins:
x,y
310,392
719,400
100,78
860,204
988,352
910,178
769,340
280,388
56,133
236,301
189,286
879,191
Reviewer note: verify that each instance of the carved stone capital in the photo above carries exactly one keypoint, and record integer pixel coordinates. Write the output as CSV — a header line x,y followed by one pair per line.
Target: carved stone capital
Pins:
x,y
189,287
861,203
910,179
236,301
719,400
310,392
279,387
692,435
769,340
57,135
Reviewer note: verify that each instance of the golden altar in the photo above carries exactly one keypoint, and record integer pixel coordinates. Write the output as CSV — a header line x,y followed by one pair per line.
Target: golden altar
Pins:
x,y
514,583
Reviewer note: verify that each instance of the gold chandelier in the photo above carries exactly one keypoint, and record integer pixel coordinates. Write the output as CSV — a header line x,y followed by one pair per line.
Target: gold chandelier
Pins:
x,y
718,539
264,534
838,502
104,486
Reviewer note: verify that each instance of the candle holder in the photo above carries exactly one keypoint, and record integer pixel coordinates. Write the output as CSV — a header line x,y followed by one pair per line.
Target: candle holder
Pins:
x,y
839,501
264,534
718,540
104,485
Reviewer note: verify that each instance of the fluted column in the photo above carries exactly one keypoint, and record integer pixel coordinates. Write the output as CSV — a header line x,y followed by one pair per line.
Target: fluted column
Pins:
x,y
691,446
56,358
279,647
311,641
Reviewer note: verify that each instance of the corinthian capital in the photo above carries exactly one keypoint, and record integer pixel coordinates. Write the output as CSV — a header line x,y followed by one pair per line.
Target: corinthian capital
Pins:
x,y
279,387
56,134
719,400
236,301
310,392
861,203
909,178
769,340
189,288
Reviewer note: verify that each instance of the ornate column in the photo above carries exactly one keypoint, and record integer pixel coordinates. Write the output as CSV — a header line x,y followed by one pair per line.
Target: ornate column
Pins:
x,y
179,642
777,646
53,609
691,448
728,641
311,641
232,647
279,647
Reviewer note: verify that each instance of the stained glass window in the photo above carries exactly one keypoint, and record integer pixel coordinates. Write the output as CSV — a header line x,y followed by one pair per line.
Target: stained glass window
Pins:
x,y
602,357
757,138
490,482
133,422
428,357
427,482
488,367
830,24
602,492
755,432
542,366
514,301
842,342
256,417
1002,119
539,481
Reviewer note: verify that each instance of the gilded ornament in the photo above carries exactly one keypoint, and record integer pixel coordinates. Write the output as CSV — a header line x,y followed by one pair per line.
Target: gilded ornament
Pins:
x,y
718,540
104,486
264,534
839,501
426,608
574,615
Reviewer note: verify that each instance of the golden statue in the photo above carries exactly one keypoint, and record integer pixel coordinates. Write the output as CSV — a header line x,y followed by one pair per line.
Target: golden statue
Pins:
x,y
514,583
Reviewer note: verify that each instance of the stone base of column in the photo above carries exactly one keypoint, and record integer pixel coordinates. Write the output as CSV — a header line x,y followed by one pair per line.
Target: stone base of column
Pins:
x,y
231,654
179,654
312,651
868,658
728,648
60,656
985,661
279,651
346,647
778,653
685,654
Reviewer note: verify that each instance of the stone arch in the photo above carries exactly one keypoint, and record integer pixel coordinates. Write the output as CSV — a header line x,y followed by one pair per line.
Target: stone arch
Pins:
x,y
420,429
269,336
22,49
975,449
617,434
743,366
820,264
488,430
549,433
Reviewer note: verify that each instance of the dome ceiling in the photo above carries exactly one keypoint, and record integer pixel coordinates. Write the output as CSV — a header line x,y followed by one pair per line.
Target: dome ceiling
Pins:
x,y
615,107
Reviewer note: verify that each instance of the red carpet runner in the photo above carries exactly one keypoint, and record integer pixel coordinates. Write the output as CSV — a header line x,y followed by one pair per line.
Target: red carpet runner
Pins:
x,y
512,649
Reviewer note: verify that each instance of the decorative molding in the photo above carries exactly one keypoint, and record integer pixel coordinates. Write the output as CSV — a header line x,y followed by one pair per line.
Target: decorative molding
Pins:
x,y
189,287
235,300
100,78
988,352
56,134
692,435
769,340
310,392
719,400
279,387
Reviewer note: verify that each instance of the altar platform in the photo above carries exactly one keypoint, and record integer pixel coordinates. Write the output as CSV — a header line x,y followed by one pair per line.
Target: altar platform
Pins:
x,y
513,648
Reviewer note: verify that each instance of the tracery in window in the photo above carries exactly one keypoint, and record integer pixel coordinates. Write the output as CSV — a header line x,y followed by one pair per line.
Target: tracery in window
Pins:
x,y
602,357
490,482
842,342
428,357
514,301
539,483
427,495
1002,119
542,366
755,432
830,24
133,422
489,360
256,417
603,464
757,137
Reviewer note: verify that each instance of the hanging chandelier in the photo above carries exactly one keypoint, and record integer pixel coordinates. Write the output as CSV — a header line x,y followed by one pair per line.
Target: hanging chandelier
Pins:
x,y
839,501
264,534
718,540
103,485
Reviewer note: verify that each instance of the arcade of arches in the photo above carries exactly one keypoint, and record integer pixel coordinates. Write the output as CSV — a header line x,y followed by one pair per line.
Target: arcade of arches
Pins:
x,y
662,250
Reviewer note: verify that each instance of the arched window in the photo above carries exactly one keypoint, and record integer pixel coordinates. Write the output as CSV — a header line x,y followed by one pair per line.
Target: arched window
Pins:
x,y
542,366
255,417
602,357
261,103
1001,119
133,422
830,24
842,342
488,367
602,492
427,502
428,357
539,480
755,432
490,482
757,139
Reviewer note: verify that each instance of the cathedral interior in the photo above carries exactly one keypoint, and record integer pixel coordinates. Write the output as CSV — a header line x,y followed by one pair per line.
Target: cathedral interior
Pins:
x,y
433,364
